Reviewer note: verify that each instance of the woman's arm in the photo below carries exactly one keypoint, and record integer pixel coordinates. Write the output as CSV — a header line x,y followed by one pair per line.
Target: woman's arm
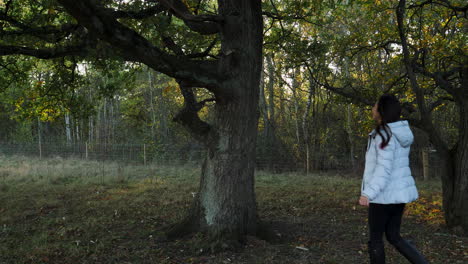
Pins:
x,y
383,169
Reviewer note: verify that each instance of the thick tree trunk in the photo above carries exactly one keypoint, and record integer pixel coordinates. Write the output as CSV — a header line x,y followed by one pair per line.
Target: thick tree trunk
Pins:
x,y
225,207
227,200
455,180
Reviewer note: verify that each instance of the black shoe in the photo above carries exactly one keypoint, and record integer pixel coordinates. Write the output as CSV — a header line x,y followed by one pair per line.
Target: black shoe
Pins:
x,y
376,253
410,252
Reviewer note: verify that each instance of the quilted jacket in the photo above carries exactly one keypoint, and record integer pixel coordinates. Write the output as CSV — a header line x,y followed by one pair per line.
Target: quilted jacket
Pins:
x,y
387,175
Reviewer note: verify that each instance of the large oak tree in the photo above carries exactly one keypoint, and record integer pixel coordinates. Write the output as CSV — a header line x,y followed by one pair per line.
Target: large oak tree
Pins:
x,y
225,206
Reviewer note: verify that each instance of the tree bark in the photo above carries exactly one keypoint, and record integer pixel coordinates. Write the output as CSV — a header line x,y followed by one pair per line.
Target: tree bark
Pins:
x,y
227,203
457,207
455,178
225,206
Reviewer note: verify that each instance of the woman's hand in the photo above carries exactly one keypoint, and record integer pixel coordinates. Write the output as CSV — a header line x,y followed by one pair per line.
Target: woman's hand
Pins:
x,y
364,201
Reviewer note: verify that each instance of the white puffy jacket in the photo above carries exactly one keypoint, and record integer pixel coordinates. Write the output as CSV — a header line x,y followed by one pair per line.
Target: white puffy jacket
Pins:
x,y
387,176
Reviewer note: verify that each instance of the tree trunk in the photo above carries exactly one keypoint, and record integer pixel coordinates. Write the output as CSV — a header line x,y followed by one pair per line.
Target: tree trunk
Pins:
x,y
225,207
150,99
455,180
349,132
305,127
270,125
295,87
91,130
67,128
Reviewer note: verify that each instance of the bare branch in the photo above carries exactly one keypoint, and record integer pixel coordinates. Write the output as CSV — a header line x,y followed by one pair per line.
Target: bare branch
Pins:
x,y
203,24
439,102
341,91
440,78
149,12
377,46
205,52
170,44
400,12
425,115
51,34
44,53
444,3
188,117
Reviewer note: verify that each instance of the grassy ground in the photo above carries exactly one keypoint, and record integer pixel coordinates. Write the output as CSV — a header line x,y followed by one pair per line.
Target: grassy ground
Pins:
x,y
74,211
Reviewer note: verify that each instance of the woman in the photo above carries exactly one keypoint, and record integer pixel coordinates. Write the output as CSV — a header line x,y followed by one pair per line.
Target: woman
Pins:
x,y
387,184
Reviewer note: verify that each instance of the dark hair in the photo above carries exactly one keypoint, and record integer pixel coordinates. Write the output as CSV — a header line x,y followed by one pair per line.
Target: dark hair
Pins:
x,y
389,109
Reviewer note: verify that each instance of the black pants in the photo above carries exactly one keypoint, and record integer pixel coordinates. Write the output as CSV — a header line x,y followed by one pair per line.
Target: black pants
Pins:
x,y
385,218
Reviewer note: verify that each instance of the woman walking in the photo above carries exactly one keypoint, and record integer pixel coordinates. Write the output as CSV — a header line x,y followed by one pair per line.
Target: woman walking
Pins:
x,y
387,184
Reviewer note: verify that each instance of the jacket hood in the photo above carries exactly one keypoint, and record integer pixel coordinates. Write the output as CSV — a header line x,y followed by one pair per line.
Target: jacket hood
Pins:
x,y
401,131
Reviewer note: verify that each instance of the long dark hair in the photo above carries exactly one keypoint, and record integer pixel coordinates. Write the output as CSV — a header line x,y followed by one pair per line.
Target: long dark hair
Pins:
x,y
389,109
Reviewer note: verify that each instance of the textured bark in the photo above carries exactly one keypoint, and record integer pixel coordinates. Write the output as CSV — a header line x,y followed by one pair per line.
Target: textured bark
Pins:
x,y
225,207
455,178
227,203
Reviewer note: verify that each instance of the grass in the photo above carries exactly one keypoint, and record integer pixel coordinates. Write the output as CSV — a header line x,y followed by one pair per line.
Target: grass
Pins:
x,y
75,211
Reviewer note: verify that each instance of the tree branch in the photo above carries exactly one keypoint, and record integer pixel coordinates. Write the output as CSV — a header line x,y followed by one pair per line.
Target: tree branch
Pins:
x,y
170,44
384,46
58,52
439,102
63,29
203,24
444,3
440,78
188,117
341,91
149,12
49,34
400,11
278,16
205,52
425,119
134,47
